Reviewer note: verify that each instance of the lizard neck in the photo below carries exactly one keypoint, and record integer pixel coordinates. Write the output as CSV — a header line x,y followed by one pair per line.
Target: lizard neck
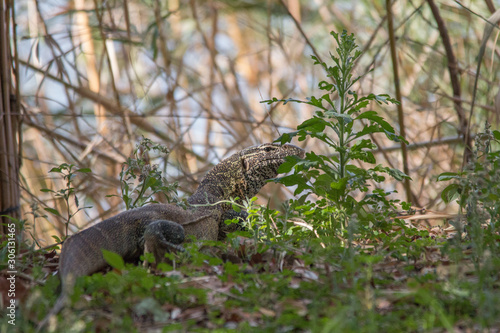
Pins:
x,y
243,174
225,181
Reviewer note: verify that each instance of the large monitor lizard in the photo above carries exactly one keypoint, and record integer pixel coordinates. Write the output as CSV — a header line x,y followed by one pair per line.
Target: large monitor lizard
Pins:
x,y
159,228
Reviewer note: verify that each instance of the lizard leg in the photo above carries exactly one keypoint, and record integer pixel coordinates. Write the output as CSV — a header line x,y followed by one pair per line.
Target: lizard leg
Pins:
x,y
161,237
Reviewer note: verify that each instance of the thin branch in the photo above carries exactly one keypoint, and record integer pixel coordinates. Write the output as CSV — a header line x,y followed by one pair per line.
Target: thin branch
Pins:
x,y
299,27
424,144
402,130
454,77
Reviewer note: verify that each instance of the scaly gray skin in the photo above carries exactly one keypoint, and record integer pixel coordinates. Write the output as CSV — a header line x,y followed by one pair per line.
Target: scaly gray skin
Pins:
x,y
241,175
160,228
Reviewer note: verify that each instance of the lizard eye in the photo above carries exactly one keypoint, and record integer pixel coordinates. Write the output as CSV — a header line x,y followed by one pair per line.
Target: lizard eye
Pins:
x,y
268,148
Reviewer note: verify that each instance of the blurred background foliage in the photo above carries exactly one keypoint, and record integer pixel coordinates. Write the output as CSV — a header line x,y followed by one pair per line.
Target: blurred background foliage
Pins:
x,y
96,76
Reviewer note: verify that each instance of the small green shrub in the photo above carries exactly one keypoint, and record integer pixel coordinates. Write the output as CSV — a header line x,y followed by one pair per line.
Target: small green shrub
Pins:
x,y
342,124
141,181
68,173
477,187
477,192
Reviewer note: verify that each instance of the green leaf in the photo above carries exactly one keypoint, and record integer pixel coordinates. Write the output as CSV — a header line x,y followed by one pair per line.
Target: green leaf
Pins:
x,y
315,102
340,185
46,190
314,124
288,165
59,170
326,97
351,168
57,239
323,85
363,144
448,176
295,179
397,174
368,157
286,137
384,98
113,259
344,116
450,192
496,134
368,129
396,138
359,105
374,117
84,170
324,180
52,210
151,182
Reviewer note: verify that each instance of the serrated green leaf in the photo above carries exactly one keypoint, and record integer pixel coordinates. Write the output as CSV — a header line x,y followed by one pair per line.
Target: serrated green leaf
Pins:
x,y
315,102
360,105
314,124
339,185
323,180
355,170
288,165
374,117
286,137
295,179
368,129
113,259
368,157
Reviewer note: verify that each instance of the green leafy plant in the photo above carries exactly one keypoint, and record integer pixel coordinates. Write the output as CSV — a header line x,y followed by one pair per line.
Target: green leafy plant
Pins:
x,y
477,188
68,172
140,180
342,124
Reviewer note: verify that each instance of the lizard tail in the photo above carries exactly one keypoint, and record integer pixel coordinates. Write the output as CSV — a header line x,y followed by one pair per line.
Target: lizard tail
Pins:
x,y
60,303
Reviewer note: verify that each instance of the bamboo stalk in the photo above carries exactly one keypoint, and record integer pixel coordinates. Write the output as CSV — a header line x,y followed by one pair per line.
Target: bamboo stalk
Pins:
x,y
9,160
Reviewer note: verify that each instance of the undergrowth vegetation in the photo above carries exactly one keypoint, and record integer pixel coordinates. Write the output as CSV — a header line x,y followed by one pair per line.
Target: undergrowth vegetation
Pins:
x,y
335,259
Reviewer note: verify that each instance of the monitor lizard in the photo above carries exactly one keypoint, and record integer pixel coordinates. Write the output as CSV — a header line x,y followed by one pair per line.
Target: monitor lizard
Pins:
x,y
160,228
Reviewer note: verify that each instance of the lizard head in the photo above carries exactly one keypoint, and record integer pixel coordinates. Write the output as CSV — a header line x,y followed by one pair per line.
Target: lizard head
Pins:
x,y
260,163
243,174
